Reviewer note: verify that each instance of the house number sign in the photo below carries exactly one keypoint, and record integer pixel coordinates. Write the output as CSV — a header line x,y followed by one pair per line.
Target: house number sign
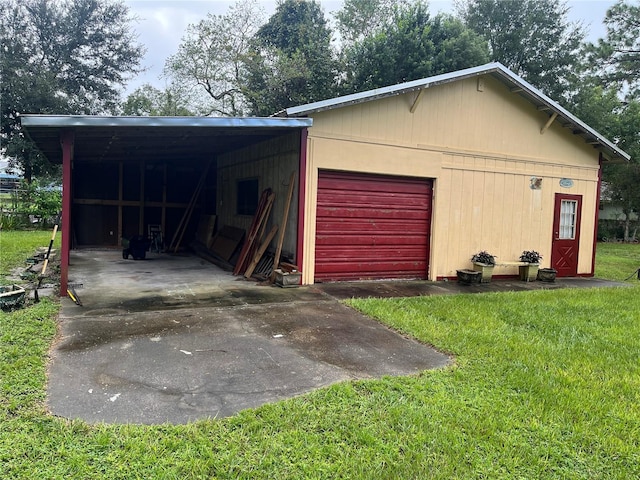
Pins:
x,y
566,183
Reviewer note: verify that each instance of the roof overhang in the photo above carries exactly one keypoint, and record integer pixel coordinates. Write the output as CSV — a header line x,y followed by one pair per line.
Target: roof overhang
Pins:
x,y
153,139
514,82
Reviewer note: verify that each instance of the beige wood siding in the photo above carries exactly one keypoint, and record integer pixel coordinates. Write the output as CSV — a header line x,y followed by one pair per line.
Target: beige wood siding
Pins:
x,y
272,163
481,148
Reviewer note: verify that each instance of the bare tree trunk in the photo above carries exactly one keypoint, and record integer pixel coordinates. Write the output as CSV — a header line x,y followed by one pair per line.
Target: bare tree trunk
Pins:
x,y
627,224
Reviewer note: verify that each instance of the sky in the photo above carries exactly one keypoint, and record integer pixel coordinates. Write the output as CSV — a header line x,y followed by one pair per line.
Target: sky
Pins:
x,y
161,25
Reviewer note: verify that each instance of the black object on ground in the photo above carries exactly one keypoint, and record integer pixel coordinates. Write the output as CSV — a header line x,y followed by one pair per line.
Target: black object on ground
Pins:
x,y
138,246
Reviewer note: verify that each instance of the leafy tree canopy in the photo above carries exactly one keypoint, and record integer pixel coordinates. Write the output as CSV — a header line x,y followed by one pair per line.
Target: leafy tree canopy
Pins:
x,y
60,57
149,101
412,45
359,19
616,58
533,38
292,61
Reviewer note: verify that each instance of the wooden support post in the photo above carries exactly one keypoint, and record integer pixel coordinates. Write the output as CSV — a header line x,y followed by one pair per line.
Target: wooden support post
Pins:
x,y
285,217
120,197
184,222
163,221
142,195
67,141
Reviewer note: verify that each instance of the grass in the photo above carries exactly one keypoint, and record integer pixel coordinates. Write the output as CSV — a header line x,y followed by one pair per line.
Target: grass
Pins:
x,y
617,261
545,385
16,246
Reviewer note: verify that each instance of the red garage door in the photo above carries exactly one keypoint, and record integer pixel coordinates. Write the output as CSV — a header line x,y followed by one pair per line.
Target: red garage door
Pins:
x,y
371,227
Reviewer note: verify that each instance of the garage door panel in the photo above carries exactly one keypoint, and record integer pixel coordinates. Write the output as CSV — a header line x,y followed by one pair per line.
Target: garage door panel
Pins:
x,y
336,211
361,240
371,227
366,199
395,252
373,271
347,182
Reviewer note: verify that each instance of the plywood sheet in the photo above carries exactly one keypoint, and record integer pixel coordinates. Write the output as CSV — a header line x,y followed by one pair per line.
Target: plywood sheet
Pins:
x,y
206,227
226,242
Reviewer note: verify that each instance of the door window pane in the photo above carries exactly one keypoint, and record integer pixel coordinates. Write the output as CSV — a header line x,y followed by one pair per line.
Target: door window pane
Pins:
x,y
568,210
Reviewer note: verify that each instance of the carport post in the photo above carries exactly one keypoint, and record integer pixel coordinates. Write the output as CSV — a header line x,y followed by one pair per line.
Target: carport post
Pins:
x,y
302,192
66,140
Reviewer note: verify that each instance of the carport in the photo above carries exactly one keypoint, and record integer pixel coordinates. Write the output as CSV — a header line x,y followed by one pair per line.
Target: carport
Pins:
x,y
122,175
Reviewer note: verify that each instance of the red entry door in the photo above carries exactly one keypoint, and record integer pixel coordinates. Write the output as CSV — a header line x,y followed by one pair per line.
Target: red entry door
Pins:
x,y
566,234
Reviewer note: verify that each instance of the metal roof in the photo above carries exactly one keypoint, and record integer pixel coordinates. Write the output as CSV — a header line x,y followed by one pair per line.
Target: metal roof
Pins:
x,y
516,83
153,139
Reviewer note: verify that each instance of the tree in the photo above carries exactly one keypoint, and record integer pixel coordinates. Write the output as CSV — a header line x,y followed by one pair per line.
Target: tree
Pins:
x,y
60,57
212,59
292,61
150,101
359,19
410,46
610,102
617,57
533,38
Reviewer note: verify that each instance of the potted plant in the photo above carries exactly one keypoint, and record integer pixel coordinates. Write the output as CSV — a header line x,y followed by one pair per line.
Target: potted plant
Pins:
x,y
484,262
529,272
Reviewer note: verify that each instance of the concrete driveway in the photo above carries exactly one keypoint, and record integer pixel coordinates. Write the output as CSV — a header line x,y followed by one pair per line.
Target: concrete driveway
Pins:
x,y
176,339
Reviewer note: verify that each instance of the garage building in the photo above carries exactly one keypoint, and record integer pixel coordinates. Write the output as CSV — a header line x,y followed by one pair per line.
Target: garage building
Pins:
x,y
407,181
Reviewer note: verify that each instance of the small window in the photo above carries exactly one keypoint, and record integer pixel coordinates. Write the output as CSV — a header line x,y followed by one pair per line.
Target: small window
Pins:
x,y
247,200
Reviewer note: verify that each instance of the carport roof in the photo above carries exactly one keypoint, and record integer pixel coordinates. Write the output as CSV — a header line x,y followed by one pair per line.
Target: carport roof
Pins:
x,y
153,139
498,71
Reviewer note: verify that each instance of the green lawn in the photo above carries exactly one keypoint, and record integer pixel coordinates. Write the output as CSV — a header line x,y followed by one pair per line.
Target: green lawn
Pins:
x,y
17,246
617,261
545,384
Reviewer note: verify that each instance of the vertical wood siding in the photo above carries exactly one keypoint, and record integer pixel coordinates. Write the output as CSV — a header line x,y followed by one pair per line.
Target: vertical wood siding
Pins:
x,y
272,163
481,150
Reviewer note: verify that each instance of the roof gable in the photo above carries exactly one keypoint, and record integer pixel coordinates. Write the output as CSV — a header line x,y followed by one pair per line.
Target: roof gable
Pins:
x,y
516,84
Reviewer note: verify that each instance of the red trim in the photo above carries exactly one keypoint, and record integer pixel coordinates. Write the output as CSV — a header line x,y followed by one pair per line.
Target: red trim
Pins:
x,y
595,227
302,192
67,140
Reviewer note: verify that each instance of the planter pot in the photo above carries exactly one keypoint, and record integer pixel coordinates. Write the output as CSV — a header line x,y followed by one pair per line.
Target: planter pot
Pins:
x,y
287,279
467,277
547,274
11,296
485,269
529,273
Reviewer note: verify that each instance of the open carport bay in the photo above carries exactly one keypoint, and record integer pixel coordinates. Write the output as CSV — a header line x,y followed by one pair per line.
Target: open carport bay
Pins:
x,y
176,339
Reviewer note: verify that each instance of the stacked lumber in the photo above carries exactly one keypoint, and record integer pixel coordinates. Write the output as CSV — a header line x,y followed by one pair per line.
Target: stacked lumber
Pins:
x,y
255,246
254,236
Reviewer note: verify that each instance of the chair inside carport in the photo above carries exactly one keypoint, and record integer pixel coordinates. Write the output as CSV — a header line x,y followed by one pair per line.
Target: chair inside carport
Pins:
x,y
154,232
